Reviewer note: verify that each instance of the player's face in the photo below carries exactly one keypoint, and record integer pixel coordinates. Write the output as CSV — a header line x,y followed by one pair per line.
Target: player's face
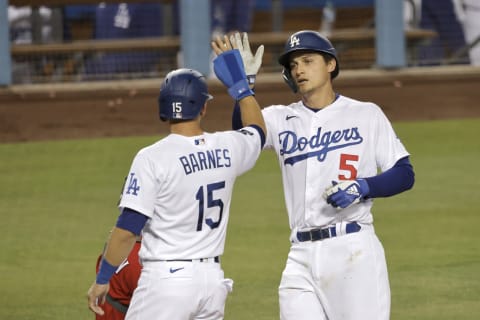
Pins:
x,y
310,71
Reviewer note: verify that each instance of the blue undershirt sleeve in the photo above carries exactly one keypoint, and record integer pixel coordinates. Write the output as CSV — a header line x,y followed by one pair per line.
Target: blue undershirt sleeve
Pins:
x,y
237,122
132,221
262,134
395,180
237,117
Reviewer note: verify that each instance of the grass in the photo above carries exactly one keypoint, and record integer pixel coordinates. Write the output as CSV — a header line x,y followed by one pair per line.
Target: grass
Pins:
x,y
433,252
58,202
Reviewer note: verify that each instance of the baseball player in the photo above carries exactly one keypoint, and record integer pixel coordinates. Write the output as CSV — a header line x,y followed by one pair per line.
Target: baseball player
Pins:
x,y
122,285
330,149
126,21
177,195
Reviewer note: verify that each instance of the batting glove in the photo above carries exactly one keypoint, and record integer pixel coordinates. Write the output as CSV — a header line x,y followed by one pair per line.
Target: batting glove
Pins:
x,y
229,70
346,193
251,63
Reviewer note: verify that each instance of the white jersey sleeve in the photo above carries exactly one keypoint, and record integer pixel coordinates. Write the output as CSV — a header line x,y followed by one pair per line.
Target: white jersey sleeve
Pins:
x,y
389,149
139,190
184,185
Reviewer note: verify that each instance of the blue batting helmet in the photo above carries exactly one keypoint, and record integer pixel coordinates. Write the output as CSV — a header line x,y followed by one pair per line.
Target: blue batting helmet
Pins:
x,y
182,95
308,40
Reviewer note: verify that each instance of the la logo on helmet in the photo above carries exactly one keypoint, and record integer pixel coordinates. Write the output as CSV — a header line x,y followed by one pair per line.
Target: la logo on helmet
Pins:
x,y
294,41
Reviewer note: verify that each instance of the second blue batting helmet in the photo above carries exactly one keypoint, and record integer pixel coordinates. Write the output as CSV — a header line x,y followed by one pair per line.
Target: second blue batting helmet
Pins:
x,y
182,95
308,40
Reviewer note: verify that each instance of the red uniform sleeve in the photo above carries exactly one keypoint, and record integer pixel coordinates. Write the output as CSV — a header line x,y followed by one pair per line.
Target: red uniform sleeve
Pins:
x,y
122,284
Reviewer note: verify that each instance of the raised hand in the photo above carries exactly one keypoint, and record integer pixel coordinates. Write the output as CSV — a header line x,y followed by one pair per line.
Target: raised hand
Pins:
x,y
252,63
229,69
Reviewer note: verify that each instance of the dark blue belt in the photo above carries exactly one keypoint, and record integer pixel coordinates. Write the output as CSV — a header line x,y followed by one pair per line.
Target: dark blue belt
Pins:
x,y
325,233
215,259
116,304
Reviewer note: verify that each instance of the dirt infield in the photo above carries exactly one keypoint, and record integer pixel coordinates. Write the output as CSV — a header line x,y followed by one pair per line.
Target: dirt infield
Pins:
x,y
70,111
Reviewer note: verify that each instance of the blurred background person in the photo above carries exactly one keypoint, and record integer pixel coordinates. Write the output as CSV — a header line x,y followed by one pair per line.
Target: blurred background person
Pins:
x,y
440,15
411,13
29,26
470,18
231,15
126,21
228,17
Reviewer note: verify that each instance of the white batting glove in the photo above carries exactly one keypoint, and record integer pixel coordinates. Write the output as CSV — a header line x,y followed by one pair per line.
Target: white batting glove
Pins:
x,y
250,62
346,193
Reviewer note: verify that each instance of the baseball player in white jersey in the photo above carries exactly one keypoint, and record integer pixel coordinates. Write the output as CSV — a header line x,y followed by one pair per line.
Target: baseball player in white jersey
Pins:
x,y
330,149
177,195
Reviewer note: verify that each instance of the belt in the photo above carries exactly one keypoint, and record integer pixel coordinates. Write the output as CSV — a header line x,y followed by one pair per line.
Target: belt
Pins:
x,y
325,233
214,259
116,304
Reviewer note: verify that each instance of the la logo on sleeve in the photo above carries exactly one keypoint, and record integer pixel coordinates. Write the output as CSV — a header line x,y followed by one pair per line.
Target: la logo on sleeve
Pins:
x,y
133,186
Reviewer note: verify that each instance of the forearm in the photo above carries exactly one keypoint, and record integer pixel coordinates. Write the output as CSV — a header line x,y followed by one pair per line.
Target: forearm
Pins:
x,y
251,113
119,246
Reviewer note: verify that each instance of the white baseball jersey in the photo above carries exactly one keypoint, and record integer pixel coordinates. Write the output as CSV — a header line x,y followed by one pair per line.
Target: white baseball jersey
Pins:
x,y
348,139
184,185
343,277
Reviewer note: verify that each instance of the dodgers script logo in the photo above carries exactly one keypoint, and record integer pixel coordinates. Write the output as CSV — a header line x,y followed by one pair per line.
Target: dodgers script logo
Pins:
x,y
319,144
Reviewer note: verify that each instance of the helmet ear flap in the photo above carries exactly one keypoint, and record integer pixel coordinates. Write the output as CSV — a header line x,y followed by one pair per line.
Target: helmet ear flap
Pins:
x,y
287,77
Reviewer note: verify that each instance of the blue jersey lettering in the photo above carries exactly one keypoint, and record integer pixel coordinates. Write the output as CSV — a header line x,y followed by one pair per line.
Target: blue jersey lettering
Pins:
x,y
133,186
205,160
319,144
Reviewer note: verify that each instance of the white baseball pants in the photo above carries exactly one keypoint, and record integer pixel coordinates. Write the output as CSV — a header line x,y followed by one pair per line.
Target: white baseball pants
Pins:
x,y
340,278
180,290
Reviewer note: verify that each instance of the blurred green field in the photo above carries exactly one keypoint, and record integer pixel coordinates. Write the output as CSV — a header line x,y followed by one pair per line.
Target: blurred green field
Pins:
x,y
58,202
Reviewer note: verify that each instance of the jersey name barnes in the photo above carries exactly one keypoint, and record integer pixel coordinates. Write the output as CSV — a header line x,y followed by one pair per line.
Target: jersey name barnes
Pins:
x,y
204,160
318,145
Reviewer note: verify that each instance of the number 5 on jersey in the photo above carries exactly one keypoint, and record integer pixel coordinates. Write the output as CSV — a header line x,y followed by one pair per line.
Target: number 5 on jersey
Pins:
x,y
346,164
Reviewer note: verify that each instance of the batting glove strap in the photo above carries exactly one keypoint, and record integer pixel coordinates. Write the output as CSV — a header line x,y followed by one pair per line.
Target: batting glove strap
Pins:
x,y
251,79
105,272
240,90
364,188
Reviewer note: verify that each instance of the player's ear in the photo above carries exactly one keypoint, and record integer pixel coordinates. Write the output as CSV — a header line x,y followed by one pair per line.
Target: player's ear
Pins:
x,y
204,110
331,65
